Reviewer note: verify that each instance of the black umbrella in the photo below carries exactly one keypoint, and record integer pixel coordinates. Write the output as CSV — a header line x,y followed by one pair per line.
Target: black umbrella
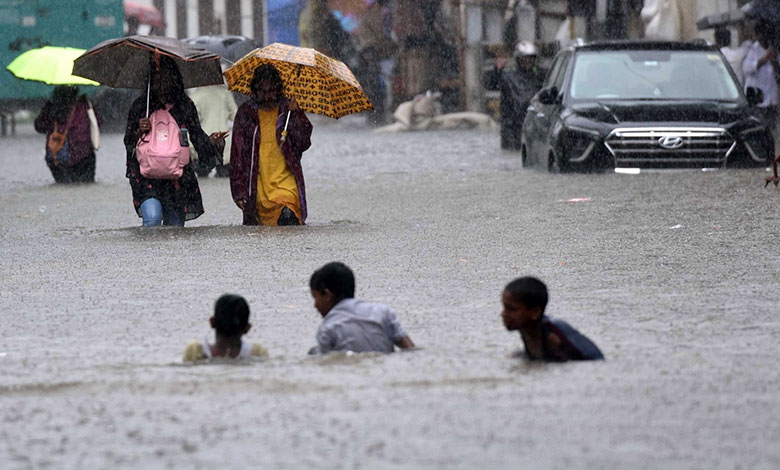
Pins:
x,y
227,46
764,10
125,62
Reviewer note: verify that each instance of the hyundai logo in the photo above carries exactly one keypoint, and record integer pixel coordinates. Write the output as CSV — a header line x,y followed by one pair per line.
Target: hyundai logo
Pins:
x,y
671,142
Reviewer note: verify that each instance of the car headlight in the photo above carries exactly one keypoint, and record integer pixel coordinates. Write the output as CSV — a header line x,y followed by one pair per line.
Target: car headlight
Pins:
x,y
579,142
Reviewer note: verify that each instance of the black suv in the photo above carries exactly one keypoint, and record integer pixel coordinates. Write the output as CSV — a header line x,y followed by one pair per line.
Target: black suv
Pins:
x,y
643,104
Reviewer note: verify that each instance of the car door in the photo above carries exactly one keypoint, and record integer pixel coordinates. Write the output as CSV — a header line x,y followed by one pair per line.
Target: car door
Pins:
x,y
537,116
548,114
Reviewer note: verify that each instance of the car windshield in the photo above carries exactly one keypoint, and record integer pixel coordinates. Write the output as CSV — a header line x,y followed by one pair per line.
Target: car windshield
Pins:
x,y
652,75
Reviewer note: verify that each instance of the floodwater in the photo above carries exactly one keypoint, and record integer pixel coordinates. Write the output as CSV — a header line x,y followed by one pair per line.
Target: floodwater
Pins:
x,y
673,274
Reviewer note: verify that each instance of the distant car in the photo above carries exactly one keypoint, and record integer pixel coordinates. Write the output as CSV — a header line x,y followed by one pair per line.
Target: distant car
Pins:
x,y
643,104
227,46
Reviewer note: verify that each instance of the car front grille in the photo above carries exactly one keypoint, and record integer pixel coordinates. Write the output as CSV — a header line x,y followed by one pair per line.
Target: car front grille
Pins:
x,y
635,146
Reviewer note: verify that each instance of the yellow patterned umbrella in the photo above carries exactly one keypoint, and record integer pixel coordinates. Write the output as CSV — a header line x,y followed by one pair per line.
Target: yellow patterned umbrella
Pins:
x,y
320,84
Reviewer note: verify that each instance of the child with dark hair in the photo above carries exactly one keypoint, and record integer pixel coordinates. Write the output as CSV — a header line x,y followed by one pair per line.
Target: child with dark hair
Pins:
x,y
230,322
349,324
544,338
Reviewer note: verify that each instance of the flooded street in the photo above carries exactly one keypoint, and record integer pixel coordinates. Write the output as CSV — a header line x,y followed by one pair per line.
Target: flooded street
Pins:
x,y
673,274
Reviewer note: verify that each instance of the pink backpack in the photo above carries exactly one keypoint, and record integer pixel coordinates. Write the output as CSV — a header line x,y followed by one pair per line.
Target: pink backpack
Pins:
x,y
159,152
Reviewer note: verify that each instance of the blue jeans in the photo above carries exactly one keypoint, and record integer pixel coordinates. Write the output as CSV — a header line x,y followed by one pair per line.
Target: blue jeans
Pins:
x,y
154,214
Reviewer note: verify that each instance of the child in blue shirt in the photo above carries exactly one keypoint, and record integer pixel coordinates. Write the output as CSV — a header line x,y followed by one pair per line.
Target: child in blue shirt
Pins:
x,y
544,338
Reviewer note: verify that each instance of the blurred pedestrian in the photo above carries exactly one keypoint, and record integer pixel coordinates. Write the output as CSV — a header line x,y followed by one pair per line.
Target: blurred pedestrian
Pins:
x,y
734,55
377,48
266,178
349,324
70,154
230,322
518,81
428,60
319,29
168,201
216,111
524,301
760,69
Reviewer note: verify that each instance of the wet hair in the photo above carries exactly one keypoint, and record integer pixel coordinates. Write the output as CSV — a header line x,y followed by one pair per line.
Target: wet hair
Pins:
x,y
722,37
335,277
267,72
231,315
64,94
765,29
62,99
168,66
529,291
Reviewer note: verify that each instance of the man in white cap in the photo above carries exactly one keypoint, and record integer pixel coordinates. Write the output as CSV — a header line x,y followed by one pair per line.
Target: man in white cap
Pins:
x,y
518,81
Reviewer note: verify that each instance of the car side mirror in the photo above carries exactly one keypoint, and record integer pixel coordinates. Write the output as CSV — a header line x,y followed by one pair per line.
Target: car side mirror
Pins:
x,y
754,96
548,95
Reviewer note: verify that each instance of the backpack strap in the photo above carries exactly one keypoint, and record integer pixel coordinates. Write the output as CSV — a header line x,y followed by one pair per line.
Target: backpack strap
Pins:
x,y
68,122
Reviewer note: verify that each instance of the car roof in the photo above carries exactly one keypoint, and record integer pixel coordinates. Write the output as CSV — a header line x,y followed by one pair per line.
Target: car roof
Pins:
x,y
699,45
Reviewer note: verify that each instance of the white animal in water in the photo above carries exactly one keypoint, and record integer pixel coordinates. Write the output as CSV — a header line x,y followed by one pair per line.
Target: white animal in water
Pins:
x,y
423,113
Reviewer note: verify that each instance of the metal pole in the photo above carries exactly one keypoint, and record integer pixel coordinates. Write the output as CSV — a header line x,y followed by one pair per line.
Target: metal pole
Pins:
x,y
258,21
233,16
181,18
205,17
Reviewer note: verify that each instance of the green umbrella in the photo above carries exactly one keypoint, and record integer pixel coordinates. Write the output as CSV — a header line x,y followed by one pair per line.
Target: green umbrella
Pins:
x,y
51,65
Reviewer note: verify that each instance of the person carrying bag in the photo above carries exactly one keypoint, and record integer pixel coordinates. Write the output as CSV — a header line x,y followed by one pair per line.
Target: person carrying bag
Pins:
x,y
70,146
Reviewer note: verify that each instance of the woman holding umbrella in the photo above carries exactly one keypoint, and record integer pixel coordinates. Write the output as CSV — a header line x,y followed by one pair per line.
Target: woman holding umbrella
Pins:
x,y
271,131
163,67
266,177
68,120
166,201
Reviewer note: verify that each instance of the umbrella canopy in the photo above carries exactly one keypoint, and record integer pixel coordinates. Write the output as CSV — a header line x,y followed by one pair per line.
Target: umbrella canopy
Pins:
x,y
765,10
50,65
227,46
125,62
720,19
320,84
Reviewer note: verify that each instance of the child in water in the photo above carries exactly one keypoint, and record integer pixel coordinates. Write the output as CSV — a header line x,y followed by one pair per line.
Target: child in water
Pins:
x,y
544,338
349,324
230,322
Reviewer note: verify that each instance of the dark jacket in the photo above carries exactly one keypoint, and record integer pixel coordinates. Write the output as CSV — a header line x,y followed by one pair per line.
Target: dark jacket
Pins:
x,y
574,345
246,145
182,195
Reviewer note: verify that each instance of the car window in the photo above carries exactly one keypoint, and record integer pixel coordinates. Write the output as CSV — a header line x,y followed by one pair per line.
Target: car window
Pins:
x,y
561,75
654,75
556,67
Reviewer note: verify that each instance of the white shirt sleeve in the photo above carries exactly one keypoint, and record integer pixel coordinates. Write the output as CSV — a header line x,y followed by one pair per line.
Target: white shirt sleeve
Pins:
x,y
393,326
325,340
750,64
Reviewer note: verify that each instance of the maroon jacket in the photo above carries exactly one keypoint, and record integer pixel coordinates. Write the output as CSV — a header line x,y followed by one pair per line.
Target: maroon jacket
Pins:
x,y
79,141
246,145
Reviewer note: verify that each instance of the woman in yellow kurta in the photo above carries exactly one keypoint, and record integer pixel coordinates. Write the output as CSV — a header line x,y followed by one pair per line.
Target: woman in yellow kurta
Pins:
x,y
266,178
276,187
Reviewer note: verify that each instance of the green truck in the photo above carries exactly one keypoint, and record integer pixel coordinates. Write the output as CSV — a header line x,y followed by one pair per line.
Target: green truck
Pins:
x,y
28,24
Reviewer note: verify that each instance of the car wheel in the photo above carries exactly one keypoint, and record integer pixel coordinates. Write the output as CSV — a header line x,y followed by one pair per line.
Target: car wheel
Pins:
x,y
555,165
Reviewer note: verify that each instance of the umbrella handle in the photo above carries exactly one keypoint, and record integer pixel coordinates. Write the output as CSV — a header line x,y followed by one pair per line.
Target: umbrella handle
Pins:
x,y
284,132
148,92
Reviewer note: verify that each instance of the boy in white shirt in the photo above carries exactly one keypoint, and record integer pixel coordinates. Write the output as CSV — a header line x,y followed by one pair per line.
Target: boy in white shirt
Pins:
x,y
349,324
